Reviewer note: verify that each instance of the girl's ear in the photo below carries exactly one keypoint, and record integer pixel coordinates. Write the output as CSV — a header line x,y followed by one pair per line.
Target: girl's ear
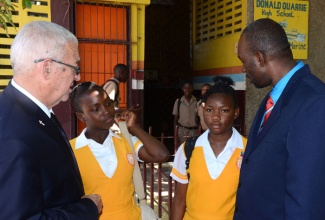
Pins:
x,y
236,113
80,116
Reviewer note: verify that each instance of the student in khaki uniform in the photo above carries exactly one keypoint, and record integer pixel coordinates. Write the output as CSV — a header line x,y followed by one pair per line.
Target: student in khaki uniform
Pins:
x,y
199,107
210,192
111,86
104,158
185,115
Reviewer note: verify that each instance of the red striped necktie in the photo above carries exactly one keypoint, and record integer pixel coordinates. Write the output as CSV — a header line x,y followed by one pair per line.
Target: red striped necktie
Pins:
x,y
268,109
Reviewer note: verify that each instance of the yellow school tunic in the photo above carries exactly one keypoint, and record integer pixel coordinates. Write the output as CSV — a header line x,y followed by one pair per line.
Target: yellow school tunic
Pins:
x,y
212,199
212,187
116,192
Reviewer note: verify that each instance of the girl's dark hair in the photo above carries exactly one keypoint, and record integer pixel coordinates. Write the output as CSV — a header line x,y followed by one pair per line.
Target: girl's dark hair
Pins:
x,y
206,84
79,91
222,85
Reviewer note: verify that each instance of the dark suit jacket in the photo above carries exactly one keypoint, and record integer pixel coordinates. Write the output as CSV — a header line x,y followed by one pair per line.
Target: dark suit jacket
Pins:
x,y
283,170
38,176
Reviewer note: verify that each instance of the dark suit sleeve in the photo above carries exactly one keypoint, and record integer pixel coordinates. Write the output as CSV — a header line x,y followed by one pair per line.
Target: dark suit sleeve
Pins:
x,y
22,191
305,178
82,209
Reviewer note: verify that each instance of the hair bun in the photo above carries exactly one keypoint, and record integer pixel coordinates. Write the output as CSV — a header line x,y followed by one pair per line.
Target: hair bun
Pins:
x,y
223,80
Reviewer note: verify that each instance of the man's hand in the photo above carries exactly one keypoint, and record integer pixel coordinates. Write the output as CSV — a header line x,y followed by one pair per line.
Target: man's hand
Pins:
x,y
96,199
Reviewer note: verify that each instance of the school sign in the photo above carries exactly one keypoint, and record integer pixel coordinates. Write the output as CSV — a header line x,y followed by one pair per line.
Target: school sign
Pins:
x,y
292,16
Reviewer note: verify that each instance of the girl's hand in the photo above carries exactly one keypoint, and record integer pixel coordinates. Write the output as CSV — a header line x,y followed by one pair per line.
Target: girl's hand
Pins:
x,y
129,117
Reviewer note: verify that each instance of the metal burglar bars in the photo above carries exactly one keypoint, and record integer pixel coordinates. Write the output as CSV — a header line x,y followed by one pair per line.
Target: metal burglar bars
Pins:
x,y
103,32
158,184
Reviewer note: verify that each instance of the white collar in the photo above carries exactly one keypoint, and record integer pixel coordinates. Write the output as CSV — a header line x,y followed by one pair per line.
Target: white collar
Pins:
x,y
235,141
216,165
83,141
31,97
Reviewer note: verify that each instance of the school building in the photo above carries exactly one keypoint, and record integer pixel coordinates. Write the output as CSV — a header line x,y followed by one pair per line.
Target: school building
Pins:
x,y
166,41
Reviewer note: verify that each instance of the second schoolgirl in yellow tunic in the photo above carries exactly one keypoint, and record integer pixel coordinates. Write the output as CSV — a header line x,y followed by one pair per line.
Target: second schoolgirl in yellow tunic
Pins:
x,y
116,187
211,192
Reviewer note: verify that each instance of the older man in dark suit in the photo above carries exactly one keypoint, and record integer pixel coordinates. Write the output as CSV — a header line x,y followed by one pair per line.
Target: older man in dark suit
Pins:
x,y
282,174
39,177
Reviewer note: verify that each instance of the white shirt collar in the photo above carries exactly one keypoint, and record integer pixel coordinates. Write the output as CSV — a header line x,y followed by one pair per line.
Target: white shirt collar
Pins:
x,y
31,97
234,142
105,153
216,165
82,140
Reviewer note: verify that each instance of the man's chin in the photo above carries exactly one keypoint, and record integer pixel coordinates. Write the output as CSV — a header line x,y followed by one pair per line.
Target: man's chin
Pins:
x,y
254,83
259,86
65,98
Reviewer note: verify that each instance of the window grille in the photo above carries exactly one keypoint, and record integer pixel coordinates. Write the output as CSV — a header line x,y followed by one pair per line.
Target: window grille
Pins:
x,y
216,18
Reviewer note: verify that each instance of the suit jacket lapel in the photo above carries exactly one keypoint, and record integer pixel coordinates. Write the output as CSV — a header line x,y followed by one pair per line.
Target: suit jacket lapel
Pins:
x,y
63,143
44,121
255,137
271,120
254,132
282,102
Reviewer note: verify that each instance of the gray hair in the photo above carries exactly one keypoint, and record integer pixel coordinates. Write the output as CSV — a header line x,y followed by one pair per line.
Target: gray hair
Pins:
x,y
37,40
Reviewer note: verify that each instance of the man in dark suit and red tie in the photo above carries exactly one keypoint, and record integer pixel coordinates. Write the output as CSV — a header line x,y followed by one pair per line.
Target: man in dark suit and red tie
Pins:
x,y
282,174
39,177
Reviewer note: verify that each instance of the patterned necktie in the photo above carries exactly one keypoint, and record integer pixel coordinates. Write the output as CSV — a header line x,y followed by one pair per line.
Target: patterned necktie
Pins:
x,y
268,109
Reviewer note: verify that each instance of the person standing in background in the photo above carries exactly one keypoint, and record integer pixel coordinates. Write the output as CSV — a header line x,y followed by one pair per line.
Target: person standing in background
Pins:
x,y
199,106
185,115
39,176
282,174
111,86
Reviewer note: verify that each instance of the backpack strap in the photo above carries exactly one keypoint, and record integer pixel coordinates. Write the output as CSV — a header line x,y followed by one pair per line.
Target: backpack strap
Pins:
x,y
179,105
188,149
117,89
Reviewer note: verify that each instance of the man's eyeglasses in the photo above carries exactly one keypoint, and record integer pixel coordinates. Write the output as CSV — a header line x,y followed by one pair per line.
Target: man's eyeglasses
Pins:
x,y
76,69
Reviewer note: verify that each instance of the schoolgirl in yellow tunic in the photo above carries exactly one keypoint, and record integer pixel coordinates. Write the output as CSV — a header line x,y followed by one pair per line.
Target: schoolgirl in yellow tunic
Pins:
x,y
117,203
104,158
210,192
